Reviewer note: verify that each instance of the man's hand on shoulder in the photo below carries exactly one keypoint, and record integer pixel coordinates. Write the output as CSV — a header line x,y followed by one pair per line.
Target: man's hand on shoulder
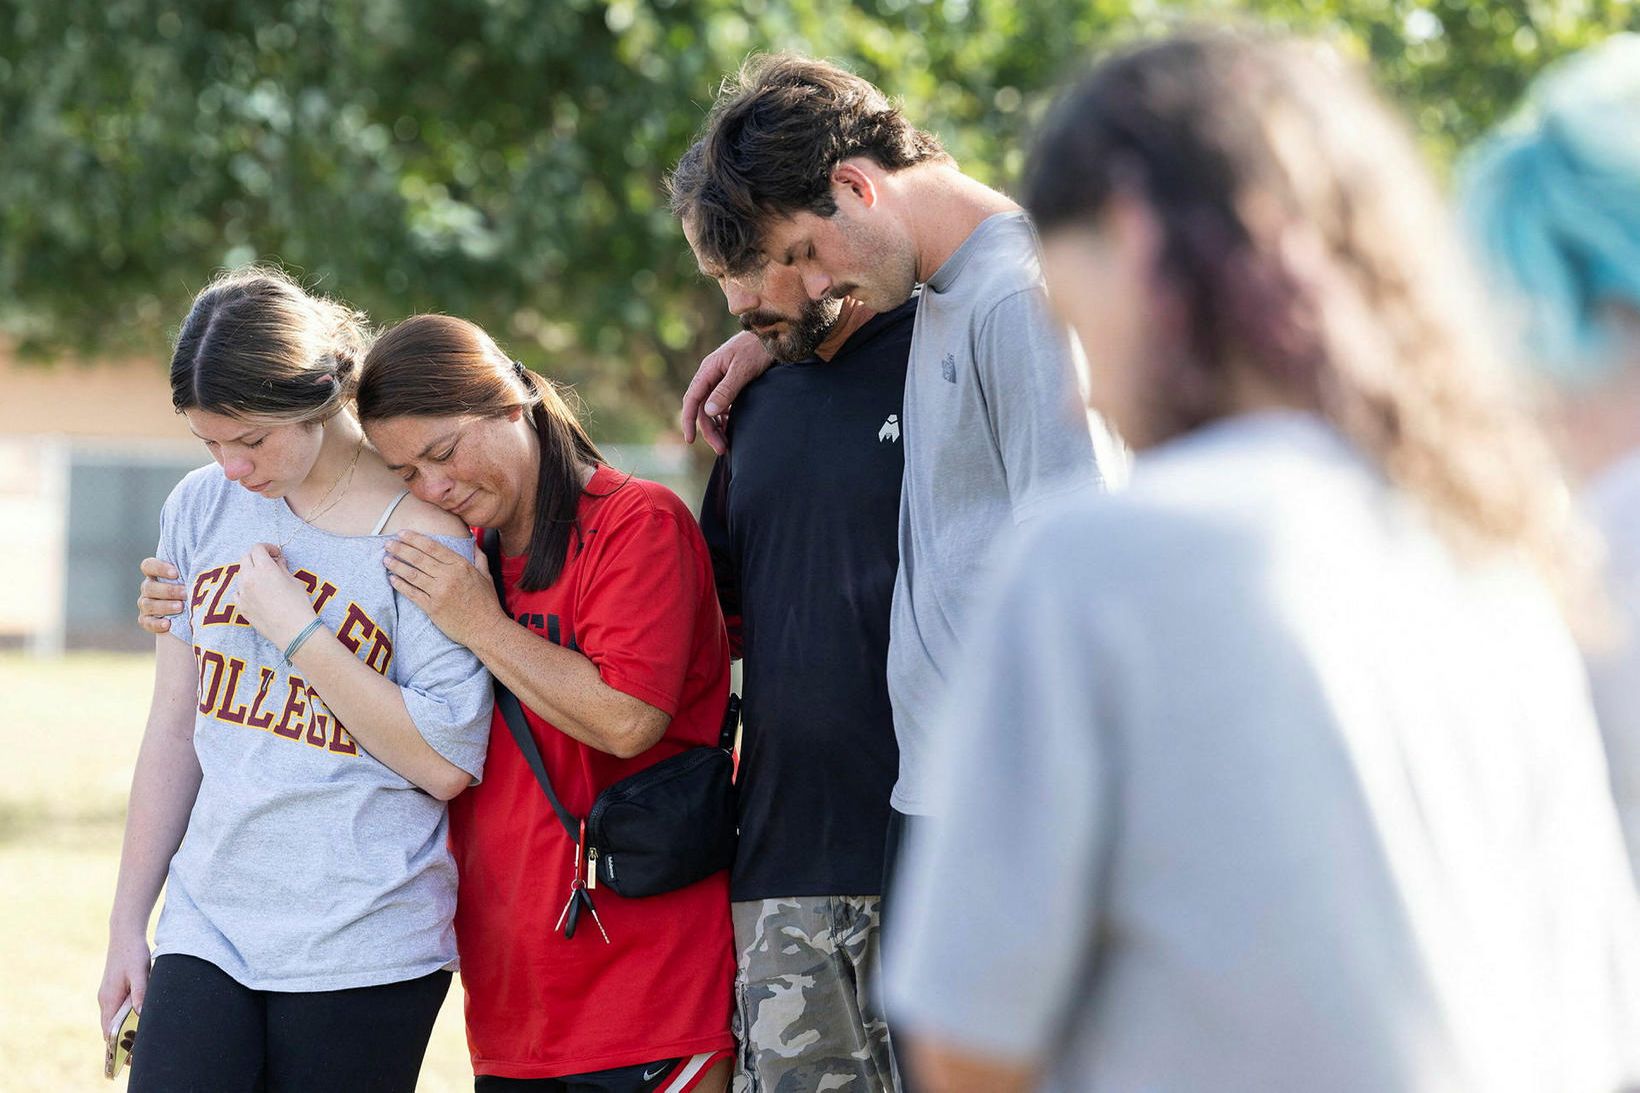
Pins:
x,y
722,376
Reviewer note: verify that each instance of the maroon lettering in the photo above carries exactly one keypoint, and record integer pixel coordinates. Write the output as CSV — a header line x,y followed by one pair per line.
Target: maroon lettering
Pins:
x,y
256,719
210,664
326,591
220,613
202,587
340,742
234,715
320,591
290,722
381,652
356,629
318,722
356,620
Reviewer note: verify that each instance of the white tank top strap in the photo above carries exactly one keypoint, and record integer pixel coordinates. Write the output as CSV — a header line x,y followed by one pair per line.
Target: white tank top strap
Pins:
x,y
391,505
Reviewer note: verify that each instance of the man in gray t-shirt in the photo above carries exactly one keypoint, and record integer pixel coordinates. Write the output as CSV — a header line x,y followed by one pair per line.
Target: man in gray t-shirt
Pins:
x,y
812,167
993,413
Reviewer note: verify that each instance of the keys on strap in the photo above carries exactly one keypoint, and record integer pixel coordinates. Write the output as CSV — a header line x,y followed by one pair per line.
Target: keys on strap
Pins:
x,y
579,897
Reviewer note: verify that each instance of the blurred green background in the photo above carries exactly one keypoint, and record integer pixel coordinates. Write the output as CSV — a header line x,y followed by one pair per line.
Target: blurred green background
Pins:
x,y
502,159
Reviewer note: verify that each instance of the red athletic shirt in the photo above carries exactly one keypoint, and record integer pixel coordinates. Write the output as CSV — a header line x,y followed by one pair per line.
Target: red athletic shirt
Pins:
x,y
636,598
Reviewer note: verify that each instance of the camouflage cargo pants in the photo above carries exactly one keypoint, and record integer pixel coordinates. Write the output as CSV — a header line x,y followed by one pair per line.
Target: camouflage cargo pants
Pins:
x,y
806,997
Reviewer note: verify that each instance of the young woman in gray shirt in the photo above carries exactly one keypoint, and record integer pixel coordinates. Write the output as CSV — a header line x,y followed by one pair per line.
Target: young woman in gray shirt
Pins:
x,y
308,725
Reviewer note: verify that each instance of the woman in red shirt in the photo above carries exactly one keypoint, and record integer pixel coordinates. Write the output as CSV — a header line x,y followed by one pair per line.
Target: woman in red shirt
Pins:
x,y
613,641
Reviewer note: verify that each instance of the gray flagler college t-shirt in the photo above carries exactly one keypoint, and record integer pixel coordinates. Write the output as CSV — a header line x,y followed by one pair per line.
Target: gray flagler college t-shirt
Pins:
x,y
995,429
307,865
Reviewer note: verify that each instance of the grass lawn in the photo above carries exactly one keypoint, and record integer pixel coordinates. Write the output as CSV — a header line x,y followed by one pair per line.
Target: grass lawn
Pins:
x,y
71,729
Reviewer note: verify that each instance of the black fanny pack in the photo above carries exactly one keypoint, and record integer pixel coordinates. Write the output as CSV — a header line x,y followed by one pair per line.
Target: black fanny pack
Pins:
x,y
663,828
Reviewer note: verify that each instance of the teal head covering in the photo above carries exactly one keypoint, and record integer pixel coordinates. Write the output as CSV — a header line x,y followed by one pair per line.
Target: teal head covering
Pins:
x,y
1553,199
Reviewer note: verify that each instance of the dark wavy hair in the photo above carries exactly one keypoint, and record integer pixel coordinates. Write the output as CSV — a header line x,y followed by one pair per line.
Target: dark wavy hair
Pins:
x,y
776,131
1302,236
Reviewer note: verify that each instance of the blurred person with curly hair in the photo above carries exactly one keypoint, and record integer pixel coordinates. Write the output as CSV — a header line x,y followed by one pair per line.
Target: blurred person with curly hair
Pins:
x,y
1276,771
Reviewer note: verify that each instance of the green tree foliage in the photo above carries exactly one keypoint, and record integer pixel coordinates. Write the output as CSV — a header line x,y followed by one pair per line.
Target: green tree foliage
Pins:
x,y
503,159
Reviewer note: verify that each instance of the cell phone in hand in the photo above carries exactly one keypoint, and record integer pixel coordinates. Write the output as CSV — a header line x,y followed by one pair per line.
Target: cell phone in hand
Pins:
x,y
122,1035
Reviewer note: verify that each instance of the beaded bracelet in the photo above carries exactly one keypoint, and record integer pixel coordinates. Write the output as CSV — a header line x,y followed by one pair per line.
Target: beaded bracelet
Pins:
x,y
307,632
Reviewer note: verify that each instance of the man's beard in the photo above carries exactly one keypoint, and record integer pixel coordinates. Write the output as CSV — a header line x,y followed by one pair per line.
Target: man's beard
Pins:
x,y
802,335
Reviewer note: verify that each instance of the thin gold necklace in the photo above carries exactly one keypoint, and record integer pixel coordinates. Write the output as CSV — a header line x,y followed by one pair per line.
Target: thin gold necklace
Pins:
x,y
325,504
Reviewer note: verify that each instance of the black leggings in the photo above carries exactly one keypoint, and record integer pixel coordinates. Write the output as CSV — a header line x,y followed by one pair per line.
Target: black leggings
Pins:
x,y
202,1031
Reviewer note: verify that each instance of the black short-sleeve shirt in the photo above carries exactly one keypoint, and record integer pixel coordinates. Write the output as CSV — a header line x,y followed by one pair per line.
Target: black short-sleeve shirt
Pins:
x,y
802,519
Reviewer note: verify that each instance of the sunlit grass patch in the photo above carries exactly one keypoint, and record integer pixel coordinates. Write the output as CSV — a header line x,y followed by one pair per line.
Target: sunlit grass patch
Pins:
x,y
71,728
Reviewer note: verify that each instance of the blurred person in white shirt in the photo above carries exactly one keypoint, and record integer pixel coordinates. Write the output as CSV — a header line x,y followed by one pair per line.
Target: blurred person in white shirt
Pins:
x,y
1553,199
1277,771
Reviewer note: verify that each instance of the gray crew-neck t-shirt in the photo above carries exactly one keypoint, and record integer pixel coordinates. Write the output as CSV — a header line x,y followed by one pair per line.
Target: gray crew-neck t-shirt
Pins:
x,y
307,865
1251,783
995,429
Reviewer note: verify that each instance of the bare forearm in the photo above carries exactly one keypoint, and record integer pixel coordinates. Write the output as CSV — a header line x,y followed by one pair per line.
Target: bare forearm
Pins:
x,y
163,789
372,709
162,795
564,688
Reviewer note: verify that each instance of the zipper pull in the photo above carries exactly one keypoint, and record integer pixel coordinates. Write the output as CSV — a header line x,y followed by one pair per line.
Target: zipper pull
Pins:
x,y
592,866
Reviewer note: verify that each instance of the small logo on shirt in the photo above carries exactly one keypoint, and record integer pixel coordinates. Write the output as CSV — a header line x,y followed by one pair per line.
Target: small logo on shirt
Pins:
x,y
890,429
948,368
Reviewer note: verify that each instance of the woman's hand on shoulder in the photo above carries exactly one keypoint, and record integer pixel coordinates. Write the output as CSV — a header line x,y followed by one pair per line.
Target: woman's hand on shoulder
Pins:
x,y
457,595
161,596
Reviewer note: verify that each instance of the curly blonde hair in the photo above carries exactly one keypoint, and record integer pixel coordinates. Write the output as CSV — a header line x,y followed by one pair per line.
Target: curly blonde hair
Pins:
x,y
1303,237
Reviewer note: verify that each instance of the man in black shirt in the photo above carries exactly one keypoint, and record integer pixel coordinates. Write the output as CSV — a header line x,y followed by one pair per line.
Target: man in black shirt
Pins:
x,y
801,516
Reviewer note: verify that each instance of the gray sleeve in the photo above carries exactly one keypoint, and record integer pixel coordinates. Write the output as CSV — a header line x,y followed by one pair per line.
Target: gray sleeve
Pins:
x,y
1580,823
1614,674
1032,377
446,690
174,541
995,930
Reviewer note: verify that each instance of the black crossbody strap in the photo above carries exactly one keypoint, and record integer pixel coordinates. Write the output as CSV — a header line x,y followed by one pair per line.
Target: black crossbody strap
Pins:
x,y
512,711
